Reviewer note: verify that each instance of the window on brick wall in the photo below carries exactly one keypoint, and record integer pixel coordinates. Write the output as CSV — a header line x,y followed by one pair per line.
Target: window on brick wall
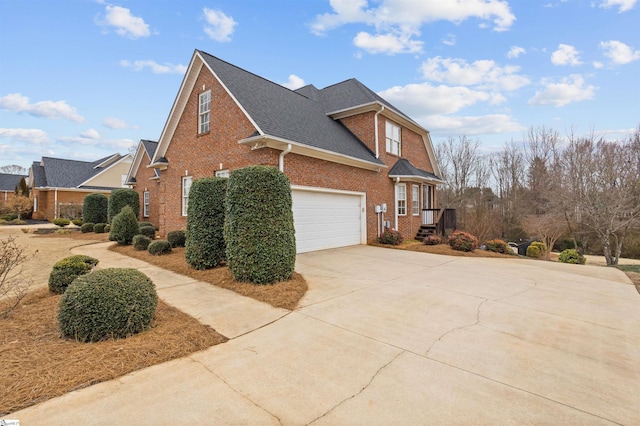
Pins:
x,y
415,200
204,110
393,138
145,204
401,198
222,173
186,186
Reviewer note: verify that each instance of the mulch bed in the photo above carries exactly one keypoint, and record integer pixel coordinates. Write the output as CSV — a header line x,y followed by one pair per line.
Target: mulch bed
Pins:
x,y
444,249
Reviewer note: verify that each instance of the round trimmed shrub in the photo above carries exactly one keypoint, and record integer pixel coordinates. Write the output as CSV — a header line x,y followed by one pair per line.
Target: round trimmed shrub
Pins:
x,y
87,227
258,228
61,221
77,222
120,198
94,208
177,238
498,246
571,256
536,249
140,242
432,240
144,223
159,247
109,303
107,228
147,231
98,228
204,237
390,236
124,226
463,241
68,269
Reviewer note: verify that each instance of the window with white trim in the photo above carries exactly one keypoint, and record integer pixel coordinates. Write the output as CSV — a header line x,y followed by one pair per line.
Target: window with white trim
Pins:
x,y
186,186
204,110
145,204
222,173
393,138
415,200
401,198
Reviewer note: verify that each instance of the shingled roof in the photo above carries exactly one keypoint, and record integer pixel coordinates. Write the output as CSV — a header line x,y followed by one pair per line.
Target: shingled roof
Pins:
x,y
404,169
8,182
286,114
61,173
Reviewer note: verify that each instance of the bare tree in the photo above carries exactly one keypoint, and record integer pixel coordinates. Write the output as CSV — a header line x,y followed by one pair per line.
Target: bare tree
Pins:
x,y
508,171
13,169
13,287
20,205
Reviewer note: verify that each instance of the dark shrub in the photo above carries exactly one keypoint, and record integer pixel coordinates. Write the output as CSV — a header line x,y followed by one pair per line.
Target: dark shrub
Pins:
x,y
390,236
61,221
463,241
77,222
140,242
498,246
159,247
109,303
258,228
124,226
87,227
204,238
176,238
571,256
94,208
120,198
68,269
9,217
107,228
98,228
432,240
141,224
147,231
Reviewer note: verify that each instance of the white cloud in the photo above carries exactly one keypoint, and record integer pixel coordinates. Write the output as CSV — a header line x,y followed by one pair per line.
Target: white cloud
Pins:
x,y
618,52
623,5
387,43
116,123
598,64
565,55
471,125
294,82
35,136
420,100
398,21
220,26
569,89
155,67
515,51
48,109
485,74
449,40
90,134
124,22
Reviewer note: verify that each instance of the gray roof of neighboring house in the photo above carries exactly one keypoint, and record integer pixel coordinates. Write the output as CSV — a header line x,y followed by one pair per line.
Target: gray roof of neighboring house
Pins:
x,y
404,168
60,173
286,114
8,182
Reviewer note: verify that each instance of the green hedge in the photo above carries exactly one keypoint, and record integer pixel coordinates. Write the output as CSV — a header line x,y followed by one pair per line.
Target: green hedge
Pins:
x,y
61,221
140,242
120,198
571,256
204,238
109,303
94,208
258,229
68,269
124,226
177,238
98,228
87,227
159,247
147,231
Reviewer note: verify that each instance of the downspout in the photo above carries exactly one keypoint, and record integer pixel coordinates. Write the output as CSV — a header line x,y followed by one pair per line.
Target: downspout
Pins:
x,y
395,196
375,126
281,158
55,203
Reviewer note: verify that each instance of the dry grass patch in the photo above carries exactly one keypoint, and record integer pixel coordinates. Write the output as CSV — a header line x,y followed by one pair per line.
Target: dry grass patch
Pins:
x,y
285,294
37,364
445,249
77,235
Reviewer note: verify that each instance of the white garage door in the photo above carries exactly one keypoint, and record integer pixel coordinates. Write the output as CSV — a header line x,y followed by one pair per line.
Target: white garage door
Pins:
x,y
326,220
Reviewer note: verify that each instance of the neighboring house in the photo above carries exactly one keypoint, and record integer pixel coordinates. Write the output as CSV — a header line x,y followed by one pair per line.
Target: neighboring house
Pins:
x,y
58,186
8,184
146,181
348,153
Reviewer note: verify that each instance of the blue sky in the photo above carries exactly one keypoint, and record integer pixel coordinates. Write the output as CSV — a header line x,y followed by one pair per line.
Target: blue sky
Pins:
x,y
83,79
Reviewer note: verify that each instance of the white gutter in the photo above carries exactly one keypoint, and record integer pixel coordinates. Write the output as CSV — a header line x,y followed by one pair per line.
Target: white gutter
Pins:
x,y
281,158
395,196
375,126
55,203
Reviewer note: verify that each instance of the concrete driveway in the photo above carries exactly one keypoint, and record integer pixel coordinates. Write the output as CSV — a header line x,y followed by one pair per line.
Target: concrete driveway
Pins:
x,y
394,337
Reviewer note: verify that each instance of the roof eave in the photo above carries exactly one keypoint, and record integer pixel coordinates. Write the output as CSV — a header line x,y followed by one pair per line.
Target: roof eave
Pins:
x,y
418,178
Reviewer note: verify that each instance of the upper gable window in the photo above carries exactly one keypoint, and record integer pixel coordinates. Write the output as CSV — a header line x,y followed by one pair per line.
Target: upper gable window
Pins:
x,y
393,138
203,111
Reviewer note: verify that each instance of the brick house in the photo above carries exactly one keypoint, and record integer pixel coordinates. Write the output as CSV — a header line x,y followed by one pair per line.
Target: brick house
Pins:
x,y
58,186
146,181
8,184
356,163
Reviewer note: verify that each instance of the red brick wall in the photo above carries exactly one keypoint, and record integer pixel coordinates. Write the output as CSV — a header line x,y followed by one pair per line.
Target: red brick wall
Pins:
x,y
145,183
46,202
